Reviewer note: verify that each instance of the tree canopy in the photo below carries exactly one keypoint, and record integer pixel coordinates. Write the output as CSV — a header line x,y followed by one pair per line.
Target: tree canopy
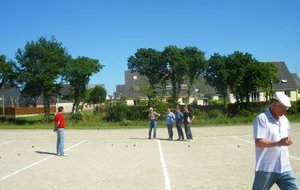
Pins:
x,y
78,74
216,74
97,95
148,62
39,66
7,72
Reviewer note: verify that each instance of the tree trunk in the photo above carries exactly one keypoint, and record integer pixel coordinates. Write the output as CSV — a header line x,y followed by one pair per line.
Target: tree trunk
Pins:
x,y
46,102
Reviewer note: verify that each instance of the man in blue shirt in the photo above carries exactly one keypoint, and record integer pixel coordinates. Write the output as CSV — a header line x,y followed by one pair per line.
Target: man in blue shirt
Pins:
x,y
170,117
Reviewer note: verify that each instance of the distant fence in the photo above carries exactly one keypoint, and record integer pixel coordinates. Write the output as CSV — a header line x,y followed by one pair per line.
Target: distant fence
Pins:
x,y
23,111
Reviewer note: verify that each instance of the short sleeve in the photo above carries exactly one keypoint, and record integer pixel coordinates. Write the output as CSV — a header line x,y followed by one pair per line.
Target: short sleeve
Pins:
x,y
259,127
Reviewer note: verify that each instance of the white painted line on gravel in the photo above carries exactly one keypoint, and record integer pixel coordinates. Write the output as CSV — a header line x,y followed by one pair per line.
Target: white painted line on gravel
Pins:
x,y
164,167
295,158
250,142
36,163
240,139
7,142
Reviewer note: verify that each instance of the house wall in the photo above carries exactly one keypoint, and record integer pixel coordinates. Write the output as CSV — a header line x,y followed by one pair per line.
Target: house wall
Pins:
x,y
294,96
67,107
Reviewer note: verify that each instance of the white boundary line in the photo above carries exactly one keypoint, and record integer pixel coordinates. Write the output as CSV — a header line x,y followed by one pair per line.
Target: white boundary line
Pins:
x,y
250,142
7,142
36,163
243,140
164,167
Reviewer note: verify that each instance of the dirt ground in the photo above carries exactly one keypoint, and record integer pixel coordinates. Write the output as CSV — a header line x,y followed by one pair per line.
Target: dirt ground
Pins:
x,y
217,158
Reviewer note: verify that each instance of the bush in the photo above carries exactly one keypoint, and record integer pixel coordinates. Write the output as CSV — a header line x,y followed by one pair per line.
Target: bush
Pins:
x,y
244,113
213,114
126,122
76,117
135,113
116,113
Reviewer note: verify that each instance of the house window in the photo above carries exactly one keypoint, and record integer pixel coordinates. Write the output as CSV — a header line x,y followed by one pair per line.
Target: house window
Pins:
x,y
288,93
184,87
255,97
169,87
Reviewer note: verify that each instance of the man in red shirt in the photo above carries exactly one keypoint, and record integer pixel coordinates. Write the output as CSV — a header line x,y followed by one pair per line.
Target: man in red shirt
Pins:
x,y
59,126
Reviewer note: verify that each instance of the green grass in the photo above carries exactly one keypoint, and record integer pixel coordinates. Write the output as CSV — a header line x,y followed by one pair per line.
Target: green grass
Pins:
x,y
95,121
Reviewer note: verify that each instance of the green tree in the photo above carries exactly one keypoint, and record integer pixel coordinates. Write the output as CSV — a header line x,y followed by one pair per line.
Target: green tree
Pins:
x,y
97,95
39,65
216,75
78,74
242,75
7,72
196,64
266,77
177,66
148,62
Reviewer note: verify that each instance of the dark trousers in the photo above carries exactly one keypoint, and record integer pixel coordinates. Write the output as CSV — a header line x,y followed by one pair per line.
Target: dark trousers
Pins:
x,y
180,132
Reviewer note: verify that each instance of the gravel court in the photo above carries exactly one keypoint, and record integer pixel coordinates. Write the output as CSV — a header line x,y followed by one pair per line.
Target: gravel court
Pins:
x,y
217,158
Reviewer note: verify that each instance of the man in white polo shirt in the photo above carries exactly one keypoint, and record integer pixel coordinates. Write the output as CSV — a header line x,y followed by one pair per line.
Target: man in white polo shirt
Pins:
x,y
271,132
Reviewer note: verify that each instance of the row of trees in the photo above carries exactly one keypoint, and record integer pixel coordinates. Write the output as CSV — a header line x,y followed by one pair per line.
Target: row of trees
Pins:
x,y
238,73
172,64
43,66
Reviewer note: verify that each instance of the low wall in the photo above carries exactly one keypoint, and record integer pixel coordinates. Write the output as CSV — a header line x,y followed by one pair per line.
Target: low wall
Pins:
x,y
23,111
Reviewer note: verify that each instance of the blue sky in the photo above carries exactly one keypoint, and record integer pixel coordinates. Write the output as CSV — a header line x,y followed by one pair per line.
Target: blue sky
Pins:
x,y
112,30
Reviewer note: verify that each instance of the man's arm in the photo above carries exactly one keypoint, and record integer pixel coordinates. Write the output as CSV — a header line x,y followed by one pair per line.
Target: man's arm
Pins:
x,y
263,143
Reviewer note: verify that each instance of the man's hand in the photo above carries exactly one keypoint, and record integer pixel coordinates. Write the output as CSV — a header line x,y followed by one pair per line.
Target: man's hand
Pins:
x,y
287,141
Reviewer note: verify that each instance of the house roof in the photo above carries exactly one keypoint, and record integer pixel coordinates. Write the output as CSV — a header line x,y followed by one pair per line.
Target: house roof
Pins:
x,y
296,79
286,80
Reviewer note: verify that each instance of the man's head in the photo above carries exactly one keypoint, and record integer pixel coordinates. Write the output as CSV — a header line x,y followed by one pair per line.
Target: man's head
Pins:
x,y
282,99
60,109
279,104
150,109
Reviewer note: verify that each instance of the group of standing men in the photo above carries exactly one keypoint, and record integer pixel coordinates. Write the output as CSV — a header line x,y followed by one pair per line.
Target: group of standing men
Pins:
x,y
180,118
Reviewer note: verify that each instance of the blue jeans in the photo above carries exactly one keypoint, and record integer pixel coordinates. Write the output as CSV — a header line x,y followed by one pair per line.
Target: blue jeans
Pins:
x,y
188,131
170,130
60,141
153,125
265,180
